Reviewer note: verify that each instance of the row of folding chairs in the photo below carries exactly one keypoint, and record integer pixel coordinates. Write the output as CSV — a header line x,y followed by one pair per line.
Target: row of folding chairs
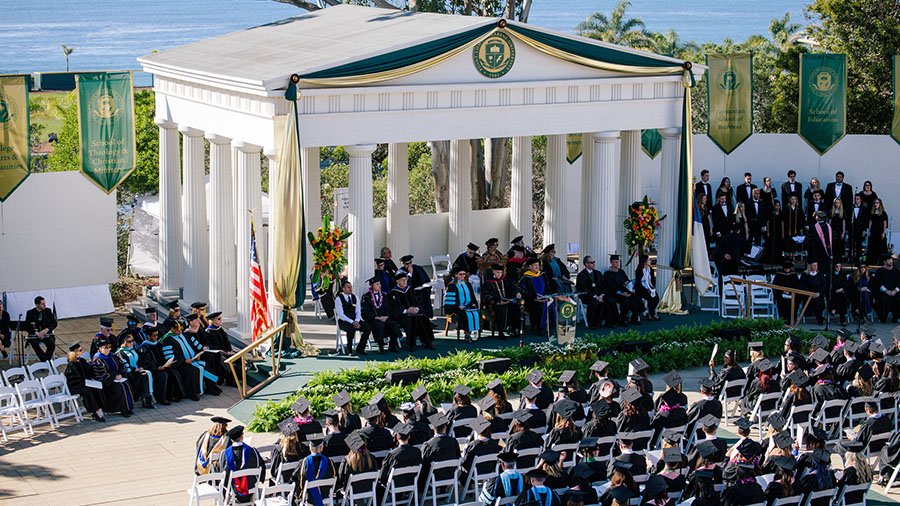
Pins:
x,y
33,371
33,402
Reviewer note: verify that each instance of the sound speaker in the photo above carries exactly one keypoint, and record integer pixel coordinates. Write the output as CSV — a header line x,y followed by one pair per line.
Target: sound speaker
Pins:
x,y
495,365
640,346
403,376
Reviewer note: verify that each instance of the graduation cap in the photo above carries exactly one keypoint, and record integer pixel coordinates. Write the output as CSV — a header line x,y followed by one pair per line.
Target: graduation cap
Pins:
x,y
549,456
876,350
776,421
707,384
406,258
220,419
132,320
743,424
755,345
819,341
709,422
865,372
379,260
606,389
341,398
600,409
537,473
548,248
843,333
516,239
173,305
583,472
288,426
566,408
673,379
622,465
587,442
822,456
532,260
798,378
149,310
786,463
631,394
355,441
214,315
893,360
853,446
480,425
374,279
193,316
765,365
487,403
599,366
74,346
408,407
567,376
495,385
462,390
496,267
530,392
867,330
472,246
419,393
706,448
523,416
106,323
621,493
614,257
748,448
817,433
672,456
301,405
507,457
438,419
236,432
377,399
492,240
821,356
535,376
103,342
673,437
655,486
575,496
399,275
198,305
370,412
458,269
403,429
638,365
819,371
331,415
851,347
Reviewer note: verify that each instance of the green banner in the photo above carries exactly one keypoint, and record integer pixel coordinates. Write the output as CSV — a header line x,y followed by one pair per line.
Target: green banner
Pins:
x,y
15,149
651,142
573,147
566,313
823,100
106,127
729,92
895,124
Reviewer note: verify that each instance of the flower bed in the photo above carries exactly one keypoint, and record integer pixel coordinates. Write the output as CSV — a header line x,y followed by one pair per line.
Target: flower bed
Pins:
x,y
677,348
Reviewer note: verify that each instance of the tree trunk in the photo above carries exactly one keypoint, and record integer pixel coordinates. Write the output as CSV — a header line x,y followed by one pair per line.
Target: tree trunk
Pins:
x,y
440,169
496,158
510,11
526,9
478,178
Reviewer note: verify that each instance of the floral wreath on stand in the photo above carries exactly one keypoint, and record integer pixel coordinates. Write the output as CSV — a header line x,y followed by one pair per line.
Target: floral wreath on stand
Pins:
x,y
329,254
640,227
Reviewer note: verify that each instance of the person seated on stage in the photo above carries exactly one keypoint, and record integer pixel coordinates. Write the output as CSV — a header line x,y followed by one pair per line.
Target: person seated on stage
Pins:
x,y
886,287
645,286
509,483
152,317
408,309
140,379
167,382
239,456
460,301
515,259
103,334
730,371
133,329
491,256
115,387
501,295
180,358
172,319
389,266
556,274
467,260
418,278
377,314
212,365
788,279
78,372
199,308
814,281
348,312
40,324
729,250
533,289
381,274
217,339
589,283
210,445
618,289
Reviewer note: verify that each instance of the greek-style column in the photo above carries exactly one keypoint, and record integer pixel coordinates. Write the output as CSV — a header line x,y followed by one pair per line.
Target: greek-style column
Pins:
x,y
222,279
521,204
312,190
274,222
362,240
629,182
398,198
196,228
249,198
555,215
668,195
171,257
460,198
598,196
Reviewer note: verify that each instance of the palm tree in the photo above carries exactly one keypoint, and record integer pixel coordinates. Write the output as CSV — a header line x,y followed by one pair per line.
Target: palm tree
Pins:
x,y
782,29
616,28
67,51
670,44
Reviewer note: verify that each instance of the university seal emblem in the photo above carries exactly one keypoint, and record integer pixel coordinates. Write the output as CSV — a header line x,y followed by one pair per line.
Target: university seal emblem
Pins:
x,y
9,111
495,55
729,81
106,106
823,81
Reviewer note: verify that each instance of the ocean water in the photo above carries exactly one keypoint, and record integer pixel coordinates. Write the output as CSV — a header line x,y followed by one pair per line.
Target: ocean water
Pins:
x,y
110,34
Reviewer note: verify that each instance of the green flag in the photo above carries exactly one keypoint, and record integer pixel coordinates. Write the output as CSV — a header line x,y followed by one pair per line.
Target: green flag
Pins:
x,y
651,142
106,127
730,96
573,148
895,124
15,151
823,100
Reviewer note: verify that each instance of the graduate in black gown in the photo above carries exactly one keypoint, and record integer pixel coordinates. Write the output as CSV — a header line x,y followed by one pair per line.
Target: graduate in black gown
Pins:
x,y
239,456
439,448
78,371
408,309
404,455
616,286
376,313
115,386
501,297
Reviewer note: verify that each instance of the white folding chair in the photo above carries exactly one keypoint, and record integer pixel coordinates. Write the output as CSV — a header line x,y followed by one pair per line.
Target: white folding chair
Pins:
x,y
891,480
326,484
230,498
525,453
433,485
732,300
38,370
265,451
800,416
766,404
280,495
854,411
59,364
887,404
206,487
813,496
727,397
830,417
393,490
340,345
476,478
762,298
56,391
876,443
793,500
12,415
278,477
850,489
571,450
440,267
355,491
15,375
711,293
641,439
31,397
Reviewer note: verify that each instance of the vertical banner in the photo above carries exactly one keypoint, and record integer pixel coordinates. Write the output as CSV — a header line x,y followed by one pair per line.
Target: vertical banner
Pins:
x,y
729,93
895,124
651,142
15,149
823,100
573,148
106,127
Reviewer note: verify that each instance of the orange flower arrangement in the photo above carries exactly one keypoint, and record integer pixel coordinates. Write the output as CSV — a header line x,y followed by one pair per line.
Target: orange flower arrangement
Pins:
x,y
329,258
640,226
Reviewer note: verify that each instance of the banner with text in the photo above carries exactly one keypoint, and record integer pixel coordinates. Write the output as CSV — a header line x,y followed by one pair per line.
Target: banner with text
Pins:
x,y
823,100
106,127
15,151
651,142
895,124
573,148
730,96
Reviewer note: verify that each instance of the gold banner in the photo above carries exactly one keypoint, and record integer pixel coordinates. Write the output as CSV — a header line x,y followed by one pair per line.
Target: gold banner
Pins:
x,y
730,94
573,148
15,150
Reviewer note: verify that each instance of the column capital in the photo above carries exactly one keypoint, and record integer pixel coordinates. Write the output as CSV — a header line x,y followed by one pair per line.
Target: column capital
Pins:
x,y
189,131
164,123
361,149
217,139
246,147
609,136
271,153
670,132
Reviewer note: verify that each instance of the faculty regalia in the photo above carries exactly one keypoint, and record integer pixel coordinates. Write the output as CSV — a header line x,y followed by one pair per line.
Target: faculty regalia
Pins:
x,y
237,457
77,371
460,294
314,467
118,393
416,326
207,364
499,298
556,275
209,449
167,382
470,264
375,305
541,496
141,382
213,362
188,377
509,483
615,285
589,283
533,286
418,278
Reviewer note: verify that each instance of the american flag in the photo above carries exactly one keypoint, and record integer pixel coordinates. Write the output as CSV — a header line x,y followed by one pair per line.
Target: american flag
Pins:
x,y
259,310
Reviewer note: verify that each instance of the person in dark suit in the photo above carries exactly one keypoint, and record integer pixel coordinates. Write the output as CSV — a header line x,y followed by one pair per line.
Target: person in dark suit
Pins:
x,y
744,191
349,317
791,187
857,224
722,217
839,190
886,286
759,215
645,286
815,205
40,324
728,251
703,187
589,283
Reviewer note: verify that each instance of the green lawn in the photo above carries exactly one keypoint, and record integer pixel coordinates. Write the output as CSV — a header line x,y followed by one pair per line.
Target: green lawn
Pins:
x,y
45,111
